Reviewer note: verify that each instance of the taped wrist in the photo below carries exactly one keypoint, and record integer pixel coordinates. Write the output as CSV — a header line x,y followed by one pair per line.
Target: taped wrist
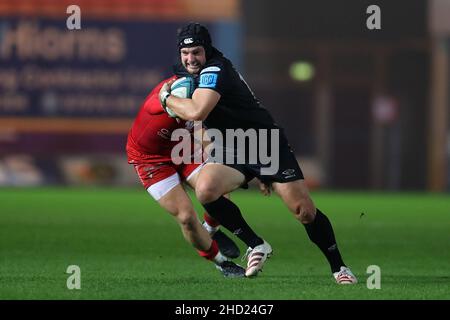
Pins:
x,y
164,97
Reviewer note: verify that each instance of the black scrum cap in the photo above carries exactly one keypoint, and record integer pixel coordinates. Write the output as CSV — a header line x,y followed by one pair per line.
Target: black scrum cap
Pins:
x,y
193,35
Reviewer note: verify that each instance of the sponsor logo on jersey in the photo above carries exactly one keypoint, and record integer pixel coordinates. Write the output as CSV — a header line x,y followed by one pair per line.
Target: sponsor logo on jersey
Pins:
x,y
164,133
210,69
208,80
288,173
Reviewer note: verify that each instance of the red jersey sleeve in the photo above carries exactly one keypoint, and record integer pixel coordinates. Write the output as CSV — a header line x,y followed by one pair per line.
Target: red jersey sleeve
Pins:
x,y
152,103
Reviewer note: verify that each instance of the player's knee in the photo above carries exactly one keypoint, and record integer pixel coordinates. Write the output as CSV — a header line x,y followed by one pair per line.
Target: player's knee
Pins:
x,y
206,192
186,219
305,211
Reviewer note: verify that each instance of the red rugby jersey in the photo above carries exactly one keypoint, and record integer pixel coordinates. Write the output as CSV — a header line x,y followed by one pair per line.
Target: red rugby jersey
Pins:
x,y
149,137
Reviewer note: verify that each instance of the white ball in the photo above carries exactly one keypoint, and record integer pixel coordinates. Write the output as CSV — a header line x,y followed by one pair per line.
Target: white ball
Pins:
x,y
183,87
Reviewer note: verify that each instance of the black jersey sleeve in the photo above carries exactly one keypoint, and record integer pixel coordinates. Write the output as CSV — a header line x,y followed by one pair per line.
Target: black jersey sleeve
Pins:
x,y
214,77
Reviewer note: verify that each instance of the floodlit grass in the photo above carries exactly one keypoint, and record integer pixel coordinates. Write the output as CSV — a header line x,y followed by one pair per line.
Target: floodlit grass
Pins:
x,y
129,248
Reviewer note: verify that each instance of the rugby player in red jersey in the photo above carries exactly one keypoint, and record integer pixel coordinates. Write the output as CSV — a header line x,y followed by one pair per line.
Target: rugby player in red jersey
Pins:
x,y
149,147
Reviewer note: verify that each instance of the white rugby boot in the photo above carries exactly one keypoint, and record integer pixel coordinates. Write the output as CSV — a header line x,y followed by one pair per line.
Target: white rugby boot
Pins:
x,y
256,258
345,276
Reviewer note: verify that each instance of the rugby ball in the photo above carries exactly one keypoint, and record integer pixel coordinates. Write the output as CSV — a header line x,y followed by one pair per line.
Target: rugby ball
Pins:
x,y
183,87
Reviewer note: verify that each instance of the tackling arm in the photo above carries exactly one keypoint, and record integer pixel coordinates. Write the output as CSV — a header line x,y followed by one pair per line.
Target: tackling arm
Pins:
x,y
196,108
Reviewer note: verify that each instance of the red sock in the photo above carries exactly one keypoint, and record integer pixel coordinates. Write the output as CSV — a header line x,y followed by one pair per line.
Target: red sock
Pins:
x,y
210,220
212,251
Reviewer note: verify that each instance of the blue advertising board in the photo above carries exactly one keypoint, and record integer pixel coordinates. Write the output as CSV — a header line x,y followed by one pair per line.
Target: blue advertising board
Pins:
x,y
103,70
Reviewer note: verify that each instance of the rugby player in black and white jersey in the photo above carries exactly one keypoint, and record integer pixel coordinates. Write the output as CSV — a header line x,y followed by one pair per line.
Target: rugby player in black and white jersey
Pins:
x,y
224,101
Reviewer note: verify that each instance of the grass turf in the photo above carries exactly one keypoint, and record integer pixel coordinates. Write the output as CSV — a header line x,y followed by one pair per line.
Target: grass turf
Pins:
x,y
129,248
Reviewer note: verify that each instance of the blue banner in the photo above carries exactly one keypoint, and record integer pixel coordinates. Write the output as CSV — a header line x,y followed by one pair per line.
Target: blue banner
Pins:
x,y
103,70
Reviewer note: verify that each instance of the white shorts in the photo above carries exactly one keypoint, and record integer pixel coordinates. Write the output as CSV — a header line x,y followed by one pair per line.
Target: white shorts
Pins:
x,y
162,187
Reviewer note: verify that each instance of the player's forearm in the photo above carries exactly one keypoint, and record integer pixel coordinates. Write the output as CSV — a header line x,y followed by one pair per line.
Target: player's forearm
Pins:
x,y
186,109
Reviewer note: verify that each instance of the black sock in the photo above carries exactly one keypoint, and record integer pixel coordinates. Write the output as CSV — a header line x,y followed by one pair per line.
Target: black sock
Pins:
x,y
229,215
321,233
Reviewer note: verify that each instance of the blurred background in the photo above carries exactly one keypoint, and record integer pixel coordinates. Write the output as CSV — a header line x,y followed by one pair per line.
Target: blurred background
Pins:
x,y
363,109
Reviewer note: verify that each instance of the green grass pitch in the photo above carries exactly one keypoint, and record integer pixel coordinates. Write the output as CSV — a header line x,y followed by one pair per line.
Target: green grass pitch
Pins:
x,y
129,248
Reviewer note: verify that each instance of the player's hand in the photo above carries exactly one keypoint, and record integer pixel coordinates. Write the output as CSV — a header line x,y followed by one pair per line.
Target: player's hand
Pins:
x,y
264,188
166,87
164,93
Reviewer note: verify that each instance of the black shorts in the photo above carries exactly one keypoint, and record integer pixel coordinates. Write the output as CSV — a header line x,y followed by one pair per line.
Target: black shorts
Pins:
x,y
288,167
